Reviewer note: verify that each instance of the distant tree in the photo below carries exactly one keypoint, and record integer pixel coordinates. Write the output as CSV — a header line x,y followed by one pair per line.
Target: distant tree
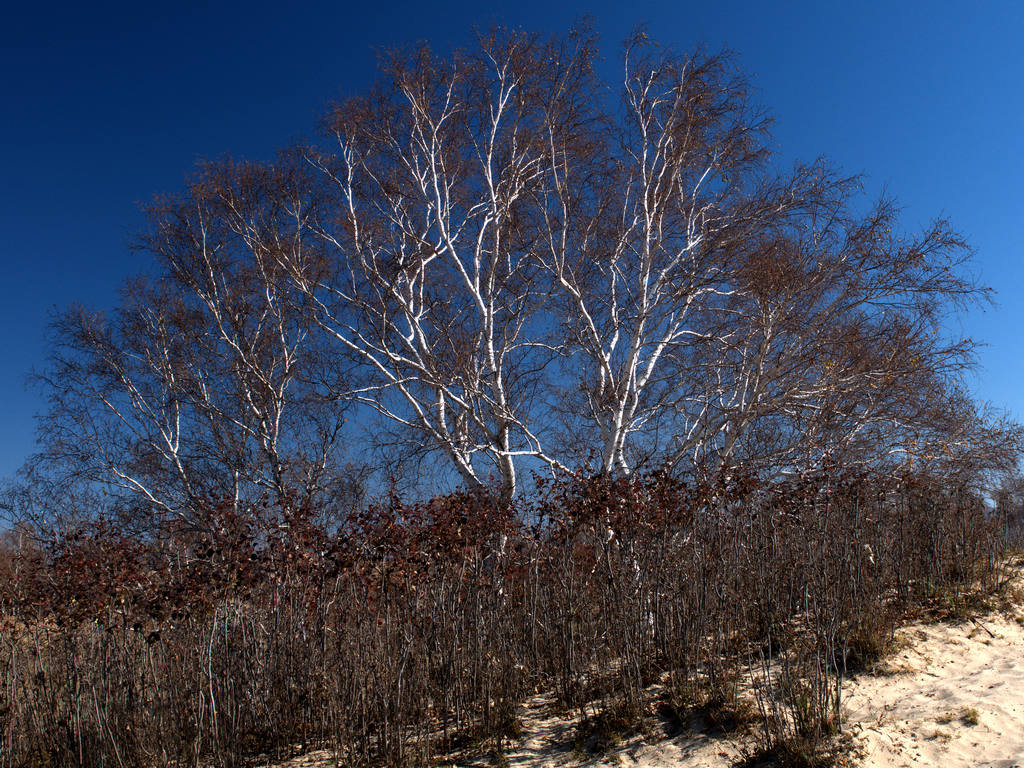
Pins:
x,y
206,384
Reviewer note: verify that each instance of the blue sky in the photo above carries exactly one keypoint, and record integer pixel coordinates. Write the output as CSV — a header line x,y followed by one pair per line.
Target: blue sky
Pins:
x,y
103,105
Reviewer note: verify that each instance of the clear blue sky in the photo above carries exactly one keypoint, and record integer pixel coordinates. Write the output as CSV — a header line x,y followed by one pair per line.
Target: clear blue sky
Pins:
x,y
102,105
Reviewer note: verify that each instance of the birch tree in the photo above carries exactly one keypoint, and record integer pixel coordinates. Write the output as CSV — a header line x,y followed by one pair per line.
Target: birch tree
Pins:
x,y
509,270
434,282
717,310
206,383
837,343
641,243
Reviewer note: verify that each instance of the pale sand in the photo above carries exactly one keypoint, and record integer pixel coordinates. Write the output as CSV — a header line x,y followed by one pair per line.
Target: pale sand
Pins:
x,y
946,678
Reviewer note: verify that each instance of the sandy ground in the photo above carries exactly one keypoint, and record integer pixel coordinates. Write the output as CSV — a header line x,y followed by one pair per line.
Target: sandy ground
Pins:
x,y
955,698
548,741
952,697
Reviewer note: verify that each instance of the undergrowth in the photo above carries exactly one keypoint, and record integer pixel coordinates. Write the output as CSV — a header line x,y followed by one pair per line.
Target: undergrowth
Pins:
x,y
415,630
